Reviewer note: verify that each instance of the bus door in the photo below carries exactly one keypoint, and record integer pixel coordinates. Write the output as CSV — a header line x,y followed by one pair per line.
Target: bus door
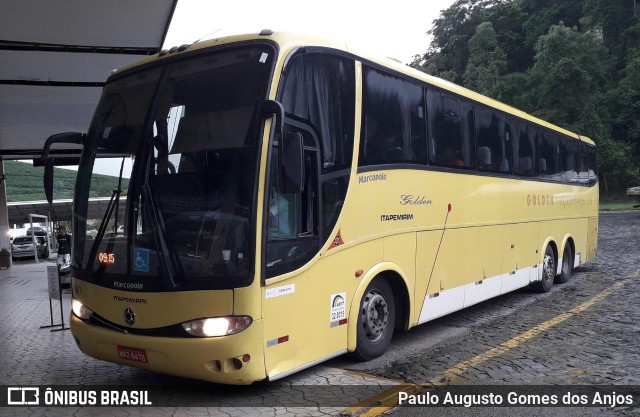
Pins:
x,y
318,96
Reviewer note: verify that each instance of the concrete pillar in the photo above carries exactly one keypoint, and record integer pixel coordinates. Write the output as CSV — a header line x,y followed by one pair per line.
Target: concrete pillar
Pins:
x,y
5,242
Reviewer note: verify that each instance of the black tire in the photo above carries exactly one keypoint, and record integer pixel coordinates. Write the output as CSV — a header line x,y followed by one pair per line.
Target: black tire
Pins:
x,y
549,269
567,266
376,320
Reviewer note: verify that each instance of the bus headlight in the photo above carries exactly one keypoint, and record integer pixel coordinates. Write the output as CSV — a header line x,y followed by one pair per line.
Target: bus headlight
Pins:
x,y
217,326
81,310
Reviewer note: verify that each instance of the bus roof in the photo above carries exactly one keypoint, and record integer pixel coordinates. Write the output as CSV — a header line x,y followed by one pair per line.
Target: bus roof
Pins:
x,y
290,41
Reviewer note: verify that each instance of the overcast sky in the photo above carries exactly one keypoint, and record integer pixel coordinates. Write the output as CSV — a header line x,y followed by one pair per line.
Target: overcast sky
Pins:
x,y
396,29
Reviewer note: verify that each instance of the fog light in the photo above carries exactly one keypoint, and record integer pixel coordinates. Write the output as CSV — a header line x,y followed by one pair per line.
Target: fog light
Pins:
x,y
217,326
80,310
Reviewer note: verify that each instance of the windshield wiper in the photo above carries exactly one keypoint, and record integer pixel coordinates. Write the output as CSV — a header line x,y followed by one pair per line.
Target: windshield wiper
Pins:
x,y
113,205
156,225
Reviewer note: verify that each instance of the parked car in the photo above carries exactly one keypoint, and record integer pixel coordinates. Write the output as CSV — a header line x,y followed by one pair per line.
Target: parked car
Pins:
x,y
38,231
22,247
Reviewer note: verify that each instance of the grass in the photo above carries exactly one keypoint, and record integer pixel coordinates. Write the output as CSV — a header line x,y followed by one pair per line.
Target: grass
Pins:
x,y
617,202
617,206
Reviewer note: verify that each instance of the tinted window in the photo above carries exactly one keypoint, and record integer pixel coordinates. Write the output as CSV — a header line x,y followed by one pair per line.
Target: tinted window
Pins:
x,y
320,90
549,155
493,137
524,148
393,125
318,95
451,127
591,160
568,159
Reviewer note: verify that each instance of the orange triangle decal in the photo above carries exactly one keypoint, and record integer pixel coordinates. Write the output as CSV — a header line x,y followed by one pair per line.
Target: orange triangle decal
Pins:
x,y
337,241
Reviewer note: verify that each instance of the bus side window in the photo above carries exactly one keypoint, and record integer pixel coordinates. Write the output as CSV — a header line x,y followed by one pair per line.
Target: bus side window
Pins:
x,y
592,166
281,221
568,148
451,136
488,137
581,158
292,221
523,149
393,124
494,136
318,96
549,153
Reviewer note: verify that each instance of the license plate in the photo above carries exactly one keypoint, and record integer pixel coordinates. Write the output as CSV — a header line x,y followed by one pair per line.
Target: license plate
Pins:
x,y
132,354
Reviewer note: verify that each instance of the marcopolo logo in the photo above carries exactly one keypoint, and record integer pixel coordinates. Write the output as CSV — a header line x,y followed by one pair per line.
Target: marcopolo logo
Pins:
x,y
23,396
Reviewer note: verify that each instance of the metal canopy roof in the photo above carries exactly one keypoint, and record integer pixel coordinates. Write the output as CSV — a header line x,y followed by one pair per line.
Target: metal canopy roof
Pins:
x,y
56,56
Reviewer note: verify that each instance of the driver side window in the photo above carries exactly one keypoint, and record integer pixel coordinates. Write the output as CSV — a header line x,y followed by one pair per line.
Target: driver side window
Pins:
x,y
292,218
318,96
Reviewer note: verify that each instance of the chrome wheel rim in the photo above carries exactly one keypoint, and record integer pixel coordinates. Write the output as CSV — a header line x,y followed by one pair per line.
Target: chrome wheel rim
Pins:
x,y
374,314
549,268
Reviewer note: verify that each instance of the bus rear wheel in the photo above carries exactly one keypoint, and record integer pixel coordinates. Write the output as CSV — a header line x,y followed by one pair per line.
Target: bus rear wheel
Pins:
x,y
548,271
376,320
567,266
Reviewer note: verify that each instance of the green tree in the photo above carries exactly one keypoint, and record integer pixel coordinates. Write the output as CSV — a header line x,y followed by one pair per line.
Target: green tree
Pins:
x,y
575,63
623,103
487,62
571,67
448,53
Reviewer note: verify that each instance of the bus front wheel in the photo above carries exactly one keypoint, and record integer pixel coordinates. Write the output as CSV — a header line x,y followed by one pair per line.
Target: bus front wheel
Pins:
x,y
548,271
376,320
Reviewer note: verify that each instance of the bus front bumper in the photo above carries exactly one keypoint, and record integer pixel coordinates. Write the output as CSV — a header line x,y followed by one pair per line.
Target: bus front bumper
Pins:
x,y
236,359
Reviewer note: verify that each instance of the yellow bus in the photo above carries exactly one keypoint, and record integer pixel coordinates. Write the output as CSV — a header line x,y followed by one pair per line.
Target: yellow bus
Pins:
x,y
287,200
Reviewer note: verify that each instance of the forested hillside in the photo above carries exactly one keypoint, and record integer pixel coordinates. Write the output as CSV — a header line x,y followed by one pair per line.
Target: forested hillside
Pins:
x,y
24,182
575,63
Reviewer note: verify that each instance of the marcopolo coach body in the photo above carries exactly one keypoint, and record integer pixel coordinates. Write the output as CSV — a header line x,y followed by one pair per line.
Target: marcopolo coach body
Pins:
x,y
284,200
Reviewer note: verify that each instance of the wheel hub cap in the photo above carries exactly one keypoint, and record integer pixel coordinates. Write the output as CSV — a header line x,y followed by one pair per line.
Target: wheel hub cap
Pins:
x,y
375,315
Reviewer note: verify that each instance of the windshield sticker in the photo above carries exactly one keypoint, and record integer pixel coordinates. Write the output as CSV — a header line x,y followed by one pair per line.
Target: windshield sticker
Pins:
x,y
278,291
338,307
141,260
263,57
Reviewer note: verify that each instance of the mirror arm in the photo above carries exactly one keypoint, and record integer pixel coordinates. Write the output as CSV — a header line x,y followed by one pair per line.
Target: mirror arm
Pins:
x,y
273,107
67,137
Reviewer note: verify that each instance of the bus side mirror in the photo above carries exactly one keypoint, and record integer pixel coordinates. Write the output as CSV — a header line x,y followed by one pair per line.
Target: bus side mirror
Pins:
x,y
291,163
68,137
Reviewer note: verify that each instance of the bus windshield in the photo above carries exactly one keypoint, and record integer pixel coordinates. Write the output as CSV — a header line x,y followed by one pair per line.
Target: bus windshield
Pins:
x,y
184,136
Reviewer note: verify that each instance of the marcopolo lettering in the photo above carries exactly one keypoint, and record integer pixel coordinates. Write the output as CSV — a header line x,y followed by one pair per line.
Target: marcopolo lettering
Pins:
x,y
373,177
128,285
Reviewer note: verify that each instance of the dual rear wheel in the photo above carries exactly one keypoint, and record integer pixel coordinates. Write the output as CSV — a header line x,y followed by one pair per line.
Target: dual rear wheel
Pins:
x,y
549,268
377,315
